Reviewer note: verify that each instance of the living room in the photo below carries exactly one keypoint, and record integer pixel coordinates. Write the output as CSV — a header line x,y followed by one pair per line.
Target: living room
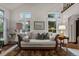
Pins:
x,y
38,23
13,16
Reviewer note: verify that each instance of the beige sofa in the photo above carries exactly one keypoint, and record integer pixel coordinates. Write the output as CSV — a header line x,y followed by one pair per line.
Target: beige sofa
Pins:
x,y
33,42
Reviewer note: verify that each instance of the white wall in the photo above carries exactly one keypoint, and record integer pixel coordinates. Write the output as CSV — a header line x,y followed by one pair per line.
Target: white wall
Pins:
x,y
39,12
73,10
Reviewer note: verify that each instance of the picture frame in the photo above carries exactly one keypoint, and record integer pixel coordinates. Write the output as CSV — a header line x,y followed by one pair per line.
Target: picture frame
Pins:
x,y
39,25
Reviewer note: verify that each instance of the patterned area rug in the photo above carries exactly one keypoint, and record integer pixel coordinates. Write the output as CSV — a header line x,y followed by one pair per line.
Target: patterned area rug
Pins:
x,y
53,52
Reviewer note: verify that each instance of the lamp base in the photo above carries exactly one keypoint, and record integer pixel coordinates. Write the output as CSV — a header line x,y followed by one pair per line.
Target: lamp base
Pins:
x,y
62,34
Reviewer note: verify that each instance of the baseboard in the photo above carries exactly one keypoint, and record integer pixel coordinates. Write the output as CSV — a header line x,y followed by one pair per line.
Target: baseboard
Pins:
x,y
73,42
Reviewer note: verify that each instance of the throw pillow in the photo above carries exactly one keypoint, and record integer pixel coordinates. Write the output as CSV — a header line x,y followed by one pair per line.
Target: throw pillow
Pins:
x,y
26,38
46,36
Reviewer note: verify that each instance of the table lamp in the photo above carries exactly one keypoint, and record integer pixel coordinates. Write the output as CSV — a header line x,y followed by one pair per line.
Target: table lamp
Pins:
x,y
62,29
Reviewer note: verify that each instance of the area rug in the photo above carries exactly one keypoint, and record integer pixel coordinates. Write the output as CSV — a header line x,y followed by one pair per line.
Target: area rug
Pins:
x,y
53,52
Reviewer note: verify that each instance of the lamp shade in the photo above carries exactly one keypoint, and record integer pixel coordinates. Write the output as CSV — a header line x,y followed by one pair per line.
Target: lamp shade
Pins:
x,y
62,27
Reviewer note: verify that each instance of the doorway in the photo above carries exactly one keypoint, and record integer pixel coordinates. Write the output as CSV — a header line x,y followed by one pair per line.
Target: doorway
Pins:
x,y
77,30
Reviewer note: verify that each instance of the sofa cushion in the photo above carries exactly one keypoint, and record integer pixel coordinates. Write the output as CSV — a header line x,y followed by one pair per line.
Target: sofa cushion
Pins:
x,y
26,38
38,43
34,41
33,35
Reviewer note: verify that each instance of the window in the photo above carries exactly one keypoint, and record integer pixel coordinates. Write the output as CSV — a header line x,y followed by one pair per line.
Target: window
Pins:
x,y
52,26
1,13
1,24
52,20
25,21
25,15
26,26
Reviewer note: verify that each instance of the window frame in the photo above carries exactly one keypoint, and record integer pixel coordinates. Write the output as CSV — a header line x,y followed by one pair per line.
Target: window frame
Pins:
x,y
24,20
52,20
2,17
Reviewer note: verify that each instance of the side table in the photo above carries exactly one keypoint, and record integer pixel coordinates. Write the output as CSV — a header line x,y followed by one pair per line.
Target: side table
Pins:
x,y
62,40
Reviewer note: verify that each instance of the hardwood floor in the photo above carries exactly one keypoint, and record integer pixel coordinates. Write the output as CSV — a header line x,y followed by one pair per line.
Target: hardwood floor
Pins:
x,y
74,46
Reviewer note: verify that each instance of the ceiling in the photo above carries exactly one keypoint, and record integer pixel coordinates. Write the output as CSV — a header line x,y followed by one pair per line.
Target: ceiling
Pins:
x,y
10,6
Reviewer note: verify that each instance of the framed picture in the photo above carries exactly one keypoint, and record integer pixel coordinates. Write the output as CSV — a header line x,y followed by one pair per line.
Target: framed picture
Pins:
x,y
39,25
